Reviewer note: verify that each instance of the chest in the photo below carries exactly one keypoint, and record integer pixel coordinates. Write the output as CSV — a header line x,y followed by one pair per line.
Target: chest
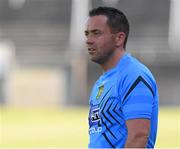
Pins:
x,y
103,91
105,105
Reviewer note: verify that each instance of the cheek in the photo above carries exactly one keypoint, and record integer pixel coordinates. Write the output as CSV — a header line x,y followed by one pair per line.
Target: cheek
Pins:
x,y
106,44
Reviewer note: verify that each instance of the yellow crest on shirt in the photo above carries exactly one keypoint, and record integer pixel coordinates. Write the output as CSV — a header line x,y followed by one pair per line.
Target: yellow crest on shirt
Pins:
x,y
100,91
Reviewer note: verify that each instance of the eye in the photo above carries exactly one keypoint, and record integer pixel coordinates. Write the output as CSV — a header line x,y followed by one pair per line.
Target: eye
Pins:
x,y
97,33
86,33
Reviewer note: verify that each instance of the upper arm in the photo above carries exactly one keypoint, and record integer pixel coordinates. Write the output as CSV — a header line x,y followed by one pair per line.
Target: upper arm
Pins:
x,y
138,132
138,127
137,100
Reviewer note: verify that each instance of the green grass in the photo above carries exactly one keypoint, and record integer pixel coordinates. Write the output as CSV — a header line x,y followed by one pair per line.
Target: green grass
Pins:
x,y
44,127
68,127
169,127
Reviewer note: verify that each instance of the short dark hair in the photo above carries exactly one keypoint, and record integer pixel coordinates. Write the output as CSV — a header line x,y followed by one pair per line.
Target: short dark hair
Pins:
x,y
117,21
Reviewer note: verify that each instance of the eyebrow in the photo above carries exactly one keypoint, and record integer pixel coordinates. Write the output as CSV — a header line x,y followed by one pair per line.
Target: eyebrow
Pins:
x,y
92,31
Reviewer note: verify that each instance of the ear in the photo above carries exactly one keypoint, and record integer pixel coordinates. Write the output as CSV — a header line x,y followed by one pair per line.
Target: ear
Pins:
x,y
120,38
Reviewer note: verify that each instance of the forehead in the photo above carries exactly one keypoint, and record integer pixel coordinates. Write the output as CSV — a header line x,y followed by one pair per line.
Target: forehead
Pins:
x,y
96,22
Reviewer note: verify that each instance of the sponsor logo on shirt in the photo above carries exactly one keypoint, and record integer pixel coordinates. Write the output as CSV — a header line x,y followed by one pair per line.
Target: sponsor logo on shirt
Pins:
x,y
95,115
94,120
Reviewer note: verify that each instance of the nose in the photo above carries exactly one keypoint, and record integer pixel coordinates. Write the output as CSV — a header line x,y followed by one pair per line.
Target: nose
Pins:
x,y
89,41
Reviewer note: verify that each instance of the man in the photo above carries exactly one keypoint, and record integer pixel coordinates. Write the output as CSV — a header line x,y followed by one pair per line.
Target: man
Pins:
x,y
124,100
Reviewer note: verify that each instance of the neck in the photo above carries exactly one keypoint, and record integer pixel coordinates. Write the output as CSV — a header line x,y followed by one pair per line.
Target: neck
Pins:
x,y
113,60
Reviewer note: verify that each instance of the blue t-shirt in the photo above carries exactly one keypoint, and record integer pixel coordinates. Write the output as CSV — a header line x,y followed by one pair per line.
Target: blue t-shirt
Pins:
x,y
127,91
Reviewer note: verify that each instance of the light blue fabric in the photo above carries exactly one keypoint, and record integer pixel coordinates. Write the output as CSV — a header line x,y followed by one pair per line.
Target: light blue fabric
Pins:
x,y
127,91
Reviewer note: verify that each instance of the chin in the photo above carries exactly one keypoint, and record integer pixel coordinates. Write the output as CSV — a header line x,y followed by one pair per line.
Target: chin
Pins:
x,y
95,60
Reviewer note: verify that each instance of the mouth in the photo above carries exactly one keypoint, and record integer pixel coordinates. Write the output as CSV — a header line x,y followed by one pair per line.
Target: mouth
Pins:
x,y
91,50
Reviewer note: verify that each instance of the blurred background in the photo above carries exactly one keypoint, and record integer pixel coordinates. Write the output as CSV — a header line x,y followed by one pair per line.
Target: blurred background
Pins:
x,y
46,75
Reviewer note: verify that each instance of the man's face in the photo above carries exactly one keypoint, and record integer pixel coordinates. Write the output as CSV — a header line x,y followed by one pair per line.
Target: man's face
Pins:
x,y
99,39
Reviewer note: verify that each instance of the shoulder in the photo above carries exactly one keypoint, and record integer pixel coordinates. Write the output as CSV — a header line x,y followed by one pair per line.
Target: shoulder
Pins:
x,y
134,68
134,73
137,90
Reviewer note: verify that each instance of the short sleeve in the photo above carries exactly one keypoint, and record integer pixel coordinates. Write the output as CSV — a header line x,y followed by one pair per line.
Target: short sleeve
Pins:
x,y
137,101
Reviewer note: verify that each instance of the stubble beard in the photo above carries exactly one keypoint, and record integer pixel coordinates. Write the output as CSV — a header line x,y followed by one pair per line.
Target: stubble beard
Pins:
x,y
102,58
